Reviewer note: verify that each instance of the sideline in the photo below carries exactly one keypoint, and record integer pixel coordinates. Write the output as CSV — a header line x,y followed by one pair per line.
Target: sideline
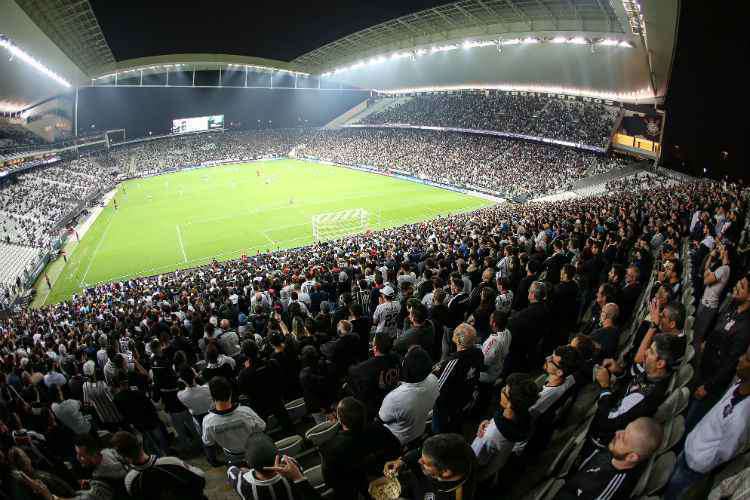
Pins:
x,y
57,266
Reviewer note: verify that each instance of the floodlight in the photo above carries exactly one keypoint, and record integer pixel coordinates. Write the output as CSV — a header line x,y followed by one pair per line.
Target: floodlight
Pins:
x,y
16,51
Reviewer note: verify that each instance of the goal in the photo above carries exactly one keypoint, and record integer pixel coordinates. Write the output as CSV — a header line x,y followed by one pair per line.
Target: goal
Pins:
x,y
334,225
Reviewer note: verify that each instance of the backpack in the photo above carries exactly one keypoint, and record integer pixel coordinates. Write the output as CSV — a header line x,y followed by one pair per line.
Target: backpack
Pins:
x,y
168,482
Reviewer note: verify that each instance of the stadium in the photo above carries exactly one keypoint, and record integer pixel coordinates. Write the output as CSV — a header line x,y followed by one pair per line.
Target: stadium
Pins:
x,y
427,251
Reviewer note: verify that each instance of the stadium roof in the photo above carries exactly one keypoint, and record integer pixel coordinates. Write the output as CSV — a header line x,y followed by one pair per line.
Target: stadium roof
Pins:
x,y
72,26
467,18
67,37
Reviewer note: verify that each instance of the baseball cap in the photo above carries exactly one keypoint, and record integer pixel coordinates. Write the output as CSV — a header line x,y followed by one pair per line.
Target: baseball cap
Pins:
x,y
387,290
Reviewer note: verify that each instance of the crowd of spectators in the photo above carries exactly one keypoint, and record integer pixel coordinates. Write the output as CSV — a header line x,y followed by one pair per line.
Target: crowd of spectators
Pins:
x,y
535,115
37,201
479,162
449,320
175,152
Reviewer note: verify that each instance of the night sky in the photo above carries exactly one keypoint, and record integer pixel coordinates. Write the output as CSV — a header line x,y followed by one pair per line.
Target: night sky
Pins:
x,y
272,29
703,104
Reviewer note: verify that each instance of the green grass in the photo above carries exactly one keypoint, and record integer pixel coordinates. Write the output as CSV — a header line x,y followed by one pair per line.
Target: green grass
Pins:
x,y
185,219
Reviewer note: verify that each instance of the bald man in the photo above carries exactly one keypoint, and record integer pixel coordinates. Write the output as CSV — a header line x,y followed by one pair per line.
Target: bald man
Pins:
x,y
607,337
613,472
458,380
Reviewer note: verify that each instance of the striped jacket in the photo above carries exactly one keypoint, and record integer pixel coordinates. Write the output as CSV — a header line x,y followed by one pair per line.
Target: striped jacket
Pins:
x,y
458,379
597,479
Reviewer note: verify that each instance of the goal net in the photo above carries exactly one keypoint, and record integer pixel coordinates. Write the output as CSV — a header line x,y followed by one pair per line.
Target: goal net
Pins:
x,y
334,225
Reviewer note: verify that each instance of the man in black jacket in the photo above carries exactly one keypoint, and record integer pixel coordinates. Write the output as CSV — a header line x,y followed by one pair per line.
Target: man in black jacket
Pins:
x,y
521,296
528,328
630,294
632,397
420,332
458,305
255,382
555,262
444,469
458,381
358,449
564,306
371,380
612,473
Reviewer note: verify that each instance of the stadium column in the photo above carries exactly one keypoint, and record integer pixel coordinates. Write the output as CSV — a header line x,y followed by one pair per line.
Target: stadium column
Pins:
x,y
75,116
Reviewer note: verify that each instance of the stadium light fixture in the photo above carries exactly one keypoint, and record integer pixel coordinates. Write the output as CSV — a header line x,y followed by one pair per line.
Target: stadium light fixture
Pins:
x,y
16,51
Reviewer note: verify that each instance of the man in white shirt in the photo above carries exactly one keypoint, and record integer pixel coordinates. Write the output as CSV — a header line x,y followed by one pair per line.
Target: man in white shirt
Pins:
x,y
385,317
495,348
720,435
405,409
714,282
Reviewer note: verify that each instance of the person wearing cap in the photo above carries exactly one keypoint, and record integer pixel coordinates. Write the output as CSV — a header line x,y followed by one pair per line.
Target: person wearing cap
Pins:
x,y
405,409
385,317
612,473
718,437
458,380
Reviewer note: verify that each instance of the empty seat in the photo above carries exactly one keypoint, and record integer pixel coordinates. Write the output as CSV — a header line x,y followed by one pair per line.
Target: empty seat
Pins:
x,y
660,473
322,433
291,445
296,409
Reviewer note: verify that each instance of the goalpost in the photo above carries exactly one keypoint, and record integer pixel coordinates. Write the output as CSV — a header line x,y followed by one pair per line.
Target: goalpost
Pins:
x,y
334,225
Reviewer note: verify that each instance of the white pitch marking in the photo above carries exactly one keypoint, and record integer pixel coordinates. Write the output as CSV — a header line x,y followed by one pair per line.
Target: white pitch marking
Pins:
x,y
182,247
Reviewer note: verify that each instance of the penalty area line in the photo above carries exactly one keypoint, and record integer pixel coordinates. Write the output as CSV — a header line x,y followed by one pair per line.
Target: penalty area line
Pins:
x,y
182,246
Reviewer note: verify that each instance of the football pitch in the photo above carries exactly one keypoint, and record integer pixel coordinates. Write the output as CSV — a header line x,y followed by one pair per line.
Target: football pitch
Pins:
x,y
186,219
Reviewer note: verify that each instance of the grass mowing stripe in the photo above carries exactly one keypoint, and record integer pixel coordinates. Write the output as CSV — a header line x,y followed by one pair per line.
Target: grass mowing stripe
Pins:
x,y
228,210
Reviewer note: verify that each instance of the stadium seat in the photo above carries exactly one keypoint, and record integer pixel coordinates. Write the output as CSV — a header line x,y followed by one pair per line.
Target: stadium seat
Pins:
x,y
322,432
297,409
674,429
675,404
549,489
689,354
683,376
291,445
660,473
